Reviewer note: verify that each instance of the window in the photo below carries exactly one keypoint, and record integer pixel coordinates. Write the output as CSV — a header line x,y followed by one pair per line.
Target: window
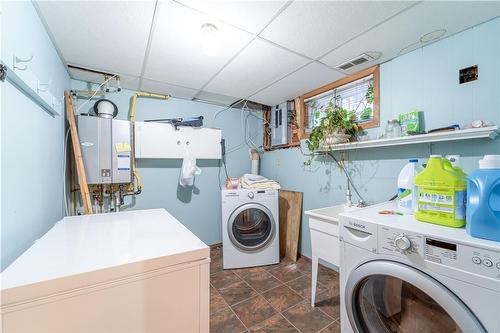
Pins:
x,y
358,93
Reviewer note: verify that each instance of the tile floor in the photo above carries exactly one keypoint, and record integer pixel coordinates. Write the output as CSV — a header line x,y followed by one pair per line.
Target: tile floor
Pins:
x,y
272,298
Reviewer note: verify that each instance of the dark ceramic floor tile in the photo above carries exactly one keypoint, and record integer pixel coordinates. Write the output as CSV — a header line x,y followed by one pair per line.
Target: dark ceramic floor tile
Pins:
x,y
253,310
328,277
306,318
216,265
237,292
304,265
275,324
223,279
302,286
329,302
283,262
261,280
286,273
217,303
225,321
216,251
282,297
242,272
333,328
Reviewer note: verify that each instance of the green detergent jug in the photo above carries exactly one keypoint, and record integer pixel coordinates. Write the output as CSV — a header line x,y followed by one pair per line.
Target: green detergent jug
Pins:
x,y
441,193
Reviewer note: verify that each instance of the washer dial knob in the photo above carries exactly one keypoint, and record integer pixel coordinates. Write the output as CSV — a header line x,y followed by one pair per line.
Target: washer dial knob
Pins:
x,y
250,195
402,242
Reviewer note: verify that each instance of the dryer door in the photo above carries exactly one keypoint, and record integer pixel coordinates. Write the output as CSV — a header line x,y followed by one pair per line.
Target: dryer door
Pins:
x,y
251,227
387,296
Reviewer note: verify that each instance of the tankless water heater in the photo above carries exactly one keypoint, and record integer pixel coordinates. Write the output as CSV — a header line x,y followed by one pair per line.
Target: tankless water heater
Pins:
x,y
106,149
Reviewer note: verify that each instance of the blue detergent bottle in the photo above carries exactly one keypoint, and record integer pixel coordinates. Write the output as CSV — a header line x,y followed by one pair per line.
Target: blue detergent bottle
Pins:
x,y
483,199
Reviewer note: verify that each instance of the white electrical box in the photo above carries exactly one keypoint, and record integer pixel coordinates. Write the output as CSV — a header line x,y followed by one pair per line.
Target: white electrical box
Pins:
x,y
163,140
106,149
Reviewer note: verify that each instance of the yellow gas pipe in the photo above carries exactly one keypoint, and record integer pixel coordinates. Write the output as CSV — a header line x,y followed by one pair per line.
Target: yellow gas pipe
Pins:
x,y
132,125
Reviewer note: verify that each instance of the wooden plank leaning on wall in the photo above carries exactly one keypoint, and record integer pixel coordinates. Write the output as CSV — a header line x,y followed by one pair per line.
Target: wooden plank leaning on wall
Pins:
x,y
75,141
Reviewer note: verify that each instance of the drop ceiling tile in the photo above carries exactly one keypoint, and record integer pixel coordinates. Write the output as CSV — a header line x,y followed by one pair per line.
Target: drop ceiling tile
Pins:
x,y
302,81
176,50
100,34
259,65
166,88
215,98
251,16
313,28
126,81
396,34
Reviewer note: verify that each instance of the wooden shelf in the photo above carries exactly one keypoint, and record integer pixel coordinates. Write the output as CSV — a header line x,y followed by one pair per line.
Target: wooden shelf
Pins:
x,y
490,132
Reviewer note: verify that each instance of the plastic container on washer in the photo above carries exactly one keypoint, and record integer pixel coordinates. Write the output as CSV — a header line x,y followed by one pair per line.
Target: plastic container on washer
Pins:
x,y
441,194
483,199
407,191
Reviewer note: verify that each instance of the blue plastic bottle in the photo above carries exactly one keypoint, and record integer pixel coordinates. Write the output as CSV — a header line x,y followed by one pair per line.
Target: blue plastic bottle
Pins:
x,y
483,199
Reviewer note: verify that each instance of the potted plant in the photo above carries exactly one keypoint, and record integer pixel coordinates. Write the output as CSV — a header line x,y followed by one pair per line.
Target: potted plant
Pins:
x,y
337,126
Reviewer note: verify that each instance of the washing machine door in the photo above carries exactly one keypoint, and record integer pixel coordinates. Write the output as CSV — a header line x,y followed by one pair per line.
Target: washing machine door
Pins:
x,y
251,227
388,296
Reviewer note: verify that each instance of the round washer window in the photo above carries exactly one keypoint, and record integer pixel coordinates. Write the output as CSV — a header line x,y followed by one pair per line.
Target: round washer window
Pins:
x,y
252,227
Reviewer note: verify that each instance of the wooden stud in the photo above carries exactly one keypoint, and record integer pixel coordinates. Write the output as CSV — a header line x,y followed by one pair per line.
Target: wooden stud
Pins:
x,y
75,141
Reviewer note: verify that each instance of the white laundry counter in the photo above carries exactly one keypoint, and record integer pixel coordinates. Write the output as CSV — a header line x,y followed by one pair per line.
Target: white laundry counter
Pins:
x,y
128,271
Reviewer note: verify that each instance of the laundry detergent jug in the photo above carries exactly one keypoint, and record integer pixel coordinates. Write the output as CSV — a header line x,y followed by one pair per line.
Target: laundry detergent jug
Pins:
x,y
483,199
441,194
407,191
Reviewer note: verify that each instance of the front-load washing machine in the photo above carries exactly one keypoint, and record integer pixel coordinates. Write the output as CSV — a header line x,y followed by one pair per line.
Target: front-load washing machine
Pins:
x,y
401,275
250,228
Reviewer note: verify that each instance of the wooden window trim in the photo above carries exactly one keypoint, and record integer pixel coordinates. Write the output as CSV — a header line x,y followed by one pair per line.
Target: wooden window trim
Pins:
x,y
301,110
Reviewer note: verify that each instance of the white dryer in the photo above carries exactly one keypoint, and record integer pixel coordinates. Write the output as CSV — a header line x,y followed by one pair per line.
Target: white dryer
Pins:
x,y
401,275
250,228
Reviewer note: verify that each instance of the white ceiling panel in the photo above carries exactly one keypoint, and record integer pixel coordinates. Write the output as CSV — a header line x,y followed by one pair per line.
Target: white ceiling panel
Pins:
x,y
215,98
101,34
126,81
167,89
302,81
396,34
176,50
313,28
251,16
259,65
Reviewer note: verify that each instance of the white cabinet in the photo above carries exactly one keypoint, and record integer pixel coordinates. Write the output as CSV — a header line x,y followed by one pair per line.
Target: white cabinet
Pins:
x,y
324,229
162,140
134,271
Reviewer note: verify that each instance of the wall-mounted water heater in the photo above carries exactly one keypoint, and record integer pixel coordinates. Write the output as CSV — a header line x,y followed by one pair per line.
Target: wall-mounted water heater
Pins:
x,y
106,145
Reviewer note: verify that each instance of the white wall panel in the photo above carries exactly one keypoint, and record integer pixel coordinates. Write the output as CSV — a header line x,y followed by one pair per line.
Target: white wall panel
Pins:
x,y
161,140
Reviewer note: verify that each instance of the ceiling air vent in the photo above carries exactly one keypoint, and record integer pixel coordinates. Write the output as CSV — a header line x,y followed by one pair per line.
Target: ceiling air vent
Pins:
x,y
355,62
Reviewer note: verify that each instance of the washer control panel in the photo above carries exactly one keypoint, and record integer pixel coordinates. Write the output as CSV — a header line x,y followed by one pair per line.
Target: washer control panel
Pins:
x,y
480,261
422,249
400,243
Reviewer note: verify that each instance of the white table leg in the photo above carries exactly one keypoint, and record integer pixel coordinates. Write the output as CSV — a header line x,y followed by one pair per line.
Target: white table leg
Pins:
x,y
314,278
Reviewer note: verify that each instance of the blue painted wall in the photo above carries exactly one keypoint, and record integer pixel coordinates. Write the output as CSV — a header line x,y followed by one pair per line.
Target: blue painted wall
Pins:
x,y
426,79
199,209
31,139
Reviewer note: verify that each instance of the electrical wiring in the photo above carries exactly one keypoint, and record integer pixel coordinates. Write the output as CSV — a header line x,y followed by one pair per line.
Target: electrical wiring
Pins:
x,y
64,174
95,93
218,175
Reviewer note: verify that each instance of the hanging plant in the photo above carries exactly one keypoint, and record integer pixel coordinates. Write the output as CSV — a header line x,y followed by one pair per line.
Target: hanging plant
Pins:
x,y
337,126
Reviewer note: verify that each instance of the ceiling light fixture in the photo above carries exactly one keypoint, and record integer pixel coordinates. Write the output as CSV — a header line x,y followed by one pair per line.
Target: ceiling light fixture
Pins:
x,y
209,39
433,35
